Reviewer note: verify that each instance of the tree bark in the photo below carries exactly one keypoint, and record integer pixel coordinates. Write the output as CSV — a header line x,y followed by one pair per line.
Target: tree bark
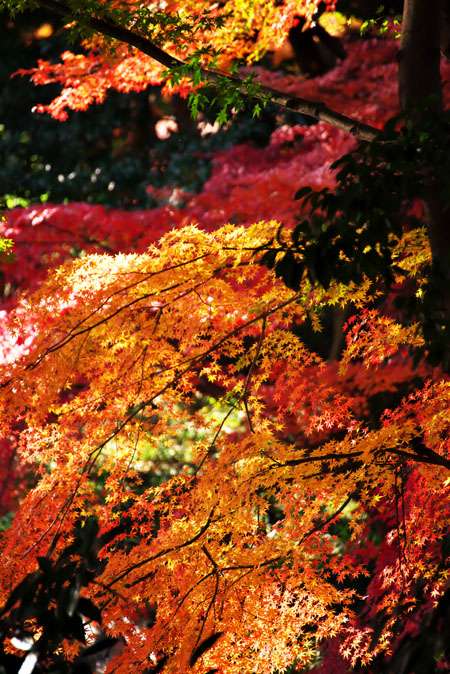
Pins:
x,y
445,28
419,78
419,56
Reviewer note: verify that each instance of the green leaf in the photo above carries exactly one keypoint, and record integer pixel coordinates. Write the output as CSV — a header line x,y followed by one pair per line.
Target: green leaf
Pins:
x,y
289,270
256,110
26,588
222,117
87,608
45,565
301,229
302,192
268,259
76,628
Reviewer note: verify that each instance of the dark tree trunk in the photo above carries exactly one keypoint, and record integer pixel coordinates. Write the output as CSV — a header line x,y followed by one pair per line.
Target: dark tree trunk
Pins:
x,y
419,56
419,78
445,29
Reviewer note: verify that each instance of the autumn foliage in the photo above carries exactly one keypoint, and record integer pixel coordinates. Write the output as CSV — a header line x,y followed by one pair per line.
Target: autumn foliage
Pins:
x,y
304,517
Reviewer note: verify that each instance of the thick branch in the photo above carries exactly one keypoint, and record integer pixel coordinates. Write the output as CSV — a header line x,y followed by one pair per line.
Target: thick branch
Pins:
x,y
315,109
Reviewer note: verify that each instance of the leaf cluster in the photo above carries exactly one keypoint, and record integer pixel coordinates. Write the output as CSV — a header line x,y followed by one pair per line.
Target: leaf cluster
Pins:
x,y
6,254
146,331
230,96
162,25
50,599
350,233
146,19
105,161
382,26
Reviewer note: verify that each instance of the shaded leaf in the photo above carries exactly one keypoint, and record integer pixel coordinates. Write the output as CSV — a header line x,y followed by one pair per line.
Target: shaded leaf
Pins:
x,y
205,645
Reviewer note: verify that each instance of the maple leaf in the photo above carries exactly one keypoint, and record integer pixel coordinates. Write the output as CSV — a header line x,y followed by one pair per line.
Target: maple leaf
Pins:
x,y
300,488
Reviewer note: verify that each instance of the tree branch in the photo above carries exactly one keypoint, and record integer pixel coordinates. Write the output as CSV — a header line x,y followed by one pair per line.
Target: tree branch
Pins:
x,y
315,109
161,553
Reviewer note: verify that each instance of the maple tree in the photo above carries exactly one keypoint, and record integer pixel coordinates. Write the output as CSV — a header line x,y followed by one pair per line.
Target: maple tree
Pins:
x,y
309,510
